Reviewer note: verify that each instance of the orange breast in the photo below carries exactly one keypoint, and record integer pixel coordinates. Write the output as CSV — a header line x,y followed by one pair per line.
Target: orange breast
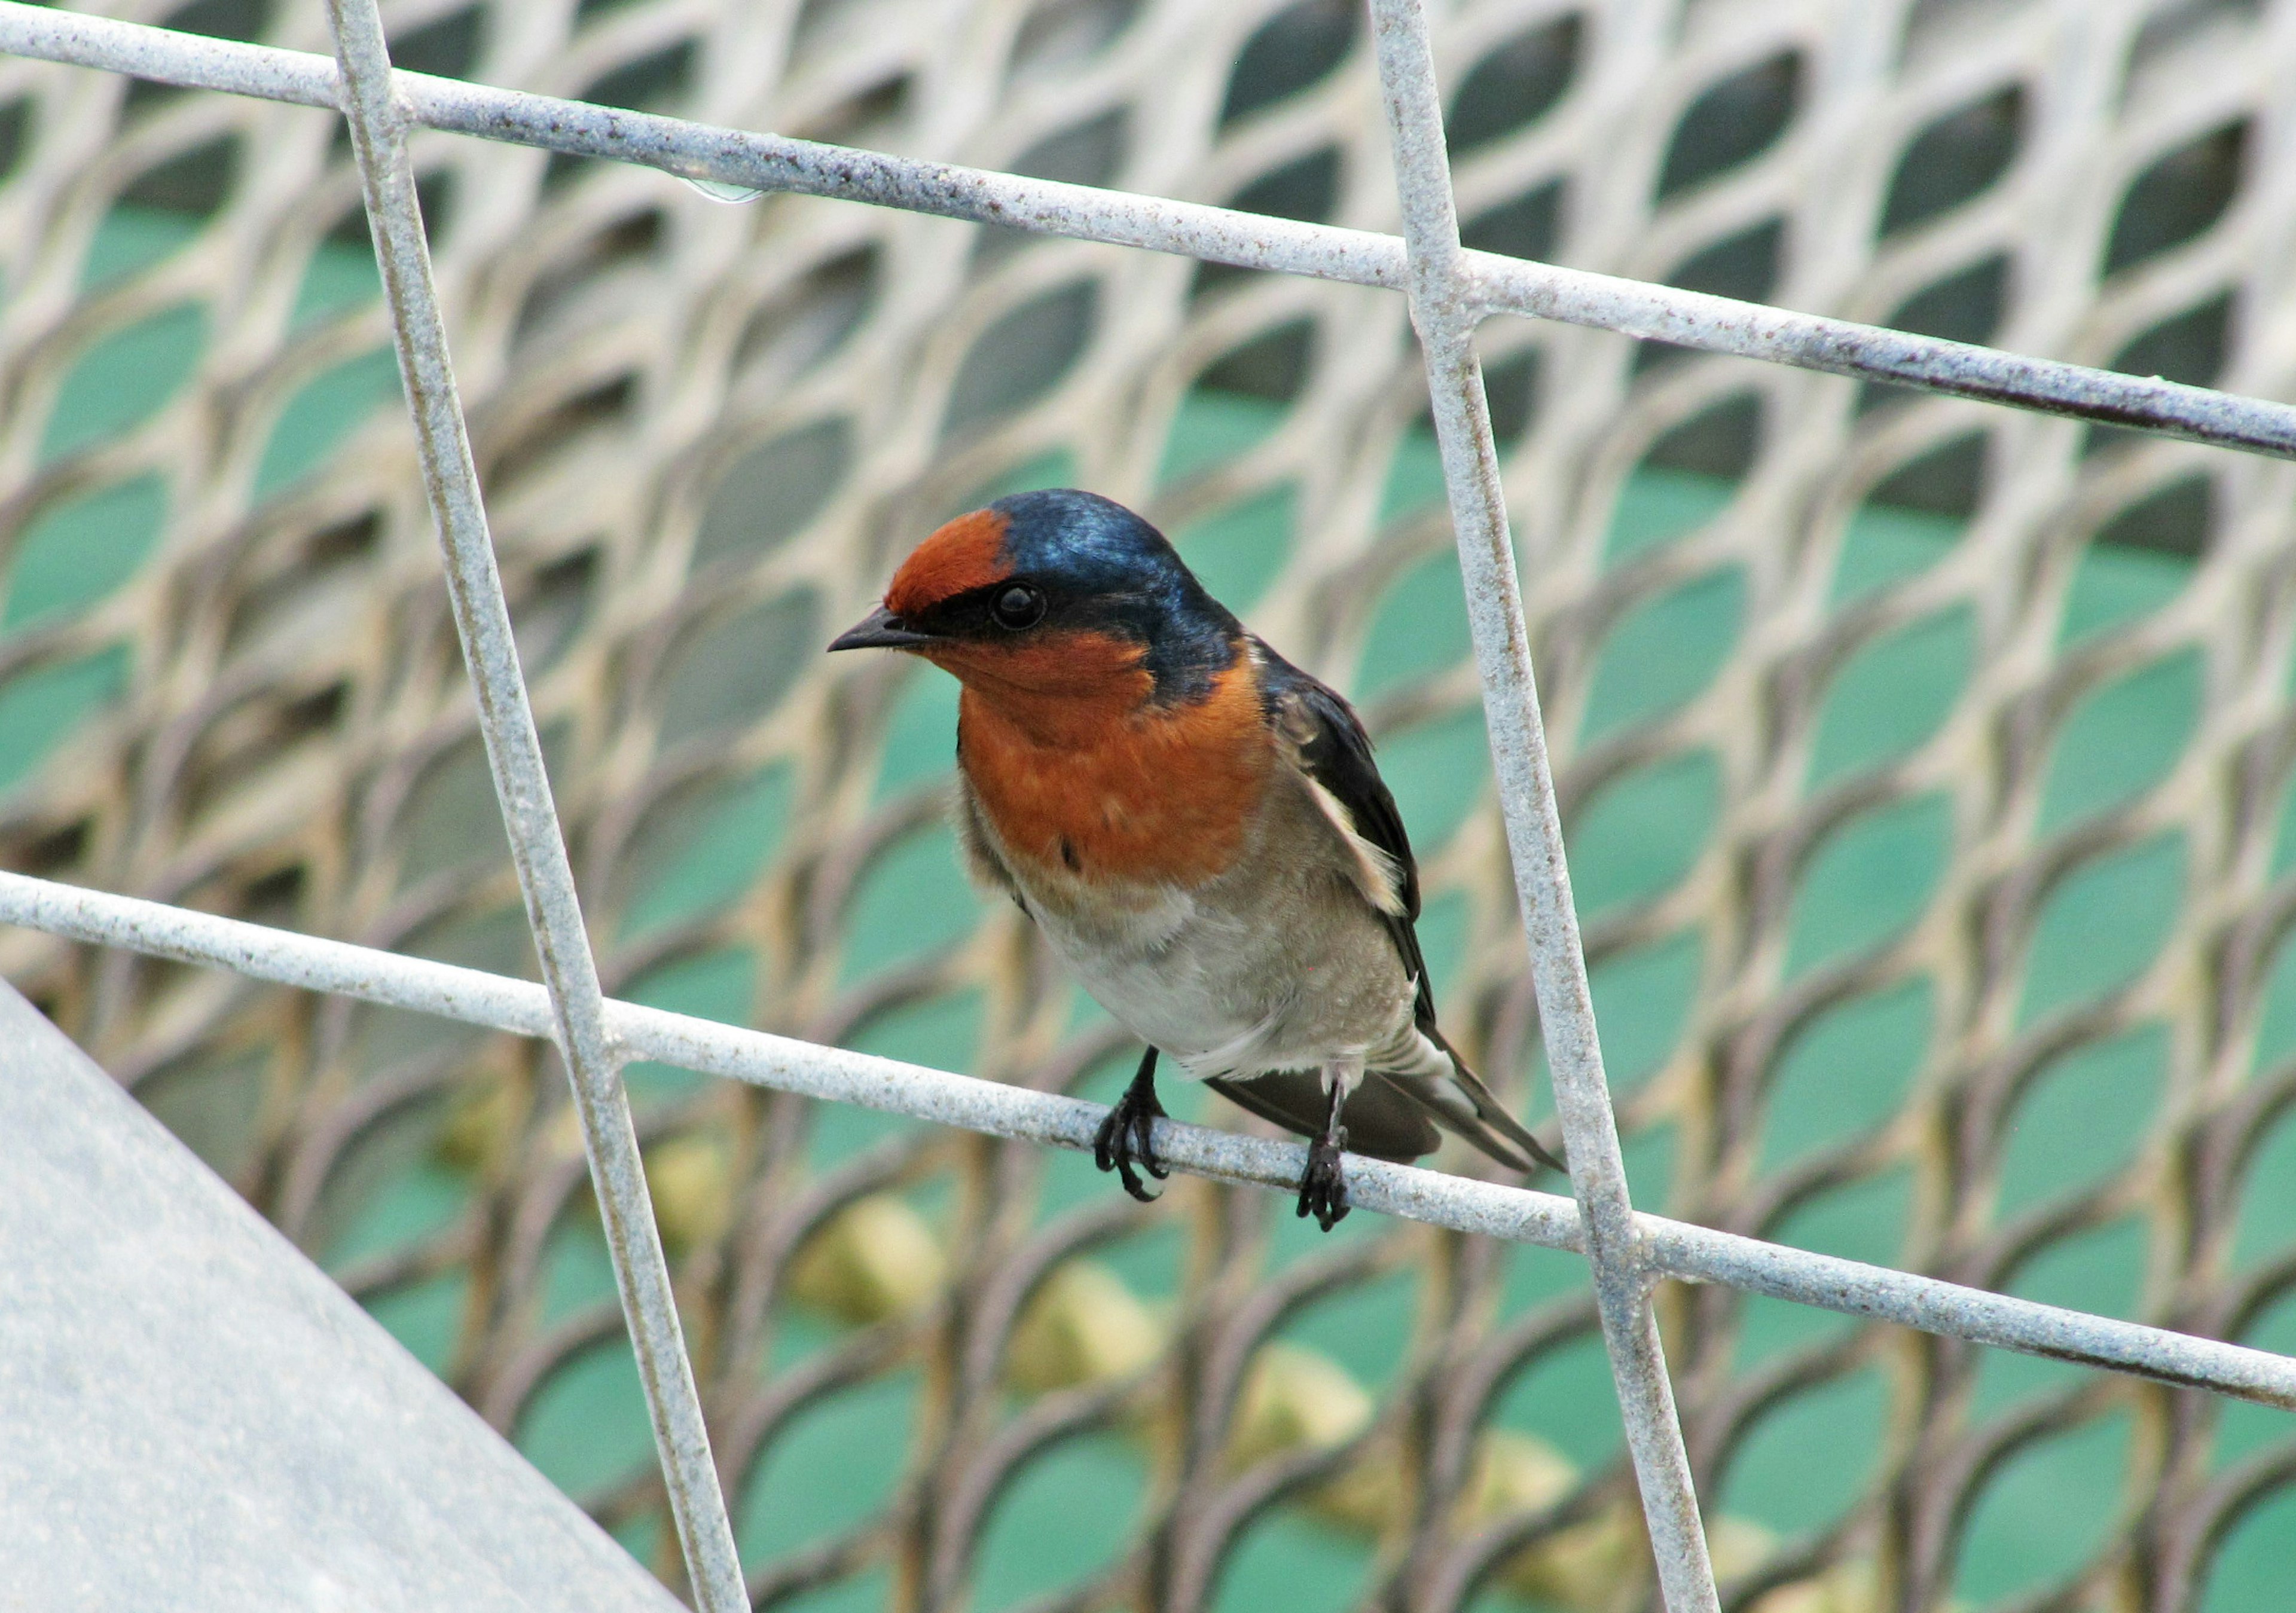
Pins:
x,y
1093,781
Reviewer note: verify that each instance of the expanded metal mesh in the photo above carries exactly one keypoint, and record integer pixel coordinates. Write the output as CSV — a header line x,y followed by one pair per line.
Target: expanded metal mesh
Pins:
x,y
1912,731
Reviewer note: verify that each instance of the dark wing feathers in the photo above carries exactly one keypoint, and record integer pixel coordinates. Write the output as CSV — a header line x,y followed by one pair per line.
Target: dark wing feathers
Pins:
x,y
1382,1122
1490,1128
1336,752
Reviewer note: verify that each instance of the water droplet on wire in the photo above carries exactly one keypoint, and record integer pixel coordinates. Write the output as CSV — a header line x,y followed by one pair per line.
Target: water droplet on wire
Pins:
x,y
717,190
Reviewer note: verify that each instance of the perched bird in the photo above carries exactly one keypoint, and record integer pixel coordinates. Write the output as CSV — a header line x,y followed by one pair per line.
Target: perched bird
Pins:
x,y
1197,828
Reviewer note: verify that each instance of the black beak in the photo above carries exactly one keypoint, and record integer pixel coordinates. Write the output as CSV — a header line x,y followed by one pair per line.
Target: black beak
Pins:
x,y
880,629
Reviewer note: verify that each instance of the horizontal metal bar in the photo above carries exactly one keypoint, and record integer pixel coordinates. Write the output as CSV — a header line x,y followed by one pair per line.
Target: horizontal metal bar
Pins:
x,y
697,151
1496,284
1672,1248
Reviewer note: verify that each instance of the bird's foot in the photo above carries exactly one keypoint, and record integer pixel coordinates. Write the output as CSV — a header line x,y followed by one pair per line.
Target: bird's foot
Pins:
x,y
1323,1188
1126,1138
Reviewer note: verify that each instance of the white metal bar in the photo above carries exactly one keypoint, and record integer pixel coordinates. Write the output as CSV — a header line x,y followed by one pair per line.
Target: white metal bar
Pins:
x,y
1443,311
378,126
836,1075
1490,283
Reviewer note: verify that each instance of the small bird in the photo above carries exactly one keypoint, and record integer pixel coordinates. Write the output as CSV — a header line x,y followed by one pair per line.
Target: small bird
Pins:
x,y
1197,828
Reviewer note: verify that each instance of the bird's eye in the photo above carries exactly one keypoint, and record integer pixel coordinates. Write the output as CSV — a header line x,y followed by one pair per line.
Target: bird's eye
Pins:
x,y
1018,606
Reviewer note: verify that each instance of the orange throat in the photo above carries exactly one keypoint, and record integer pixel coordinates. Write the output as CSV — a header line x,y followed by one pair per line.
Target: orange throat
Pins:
x,y
1079,775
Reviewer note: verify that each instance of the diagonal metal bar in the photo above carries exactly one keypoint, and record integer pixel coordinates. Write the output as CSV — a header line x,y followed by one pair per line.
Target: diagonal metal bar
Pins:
x,y
836,1075
377,124
1444,312
1488,282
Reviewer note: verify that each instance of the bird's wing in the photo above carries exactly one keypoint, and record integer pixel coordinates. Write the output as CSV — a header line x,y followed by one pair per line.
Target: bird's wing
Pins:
x,y
1331,749
1382,1122
1458,1098
982,861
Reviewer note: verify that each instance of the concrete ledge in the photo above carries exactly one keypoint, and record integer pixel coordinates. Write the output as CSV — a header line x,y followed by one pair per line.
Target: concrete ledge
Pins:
x,y
193,1416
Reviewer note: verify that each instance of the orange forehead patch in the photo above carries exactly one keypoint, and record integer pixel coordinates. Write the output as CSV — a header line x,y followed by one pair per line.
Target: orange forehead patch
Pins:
x,y
966,554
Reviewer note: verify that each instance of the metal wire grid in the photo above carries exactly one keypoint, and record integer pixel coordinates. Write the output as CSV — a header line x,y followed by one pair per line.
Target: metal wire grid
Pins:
x,y
1442,315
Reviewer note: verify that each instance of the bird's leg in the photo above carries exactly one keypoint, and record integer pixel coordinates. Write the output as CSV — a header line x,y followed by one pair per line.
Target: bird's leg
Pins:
x,y
1323,1190
1125,1139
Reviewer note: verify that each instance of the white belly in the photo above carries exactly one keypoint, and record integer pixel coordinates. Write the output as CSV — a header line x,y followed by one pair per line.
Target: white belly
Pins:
x,y
1196,985
1277,965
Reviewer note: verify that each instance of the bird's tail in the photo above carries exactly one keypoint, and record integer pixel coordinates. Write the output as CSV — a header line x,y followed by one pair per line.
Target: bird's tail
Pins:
x,y
1487,1123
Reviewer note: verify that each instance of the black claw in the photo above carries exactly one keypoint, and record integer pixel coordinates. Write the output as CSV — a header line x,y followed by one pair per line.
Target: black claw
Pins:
x,y
1125,1138
1323,1188
1144,1142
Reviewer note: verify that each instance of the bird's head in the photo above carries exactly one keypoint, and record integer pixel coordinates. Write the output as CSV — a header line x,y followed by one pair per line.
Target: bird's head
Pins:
x,y
1058,593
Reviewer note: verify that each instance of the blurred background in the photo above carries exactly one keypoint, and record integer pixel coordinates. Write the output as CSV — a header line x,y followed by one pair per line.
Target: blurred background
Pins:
x,y
1926,765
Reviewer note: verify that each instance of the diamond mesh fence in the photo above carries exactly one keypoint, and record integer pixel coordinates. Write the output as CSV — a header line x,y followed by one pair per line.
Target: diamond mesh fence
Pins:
x,y
1926,765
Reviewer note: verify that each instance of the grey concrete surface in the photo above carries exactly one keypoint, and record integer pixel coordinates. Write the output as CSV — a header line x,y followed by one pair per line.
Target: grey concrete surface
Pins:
x,y
192,1416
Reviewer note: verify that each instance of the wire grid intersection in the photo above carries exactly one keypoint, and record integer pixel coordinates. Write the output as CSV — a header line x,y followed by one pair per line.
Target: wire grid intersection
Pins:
x,y
1820,421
